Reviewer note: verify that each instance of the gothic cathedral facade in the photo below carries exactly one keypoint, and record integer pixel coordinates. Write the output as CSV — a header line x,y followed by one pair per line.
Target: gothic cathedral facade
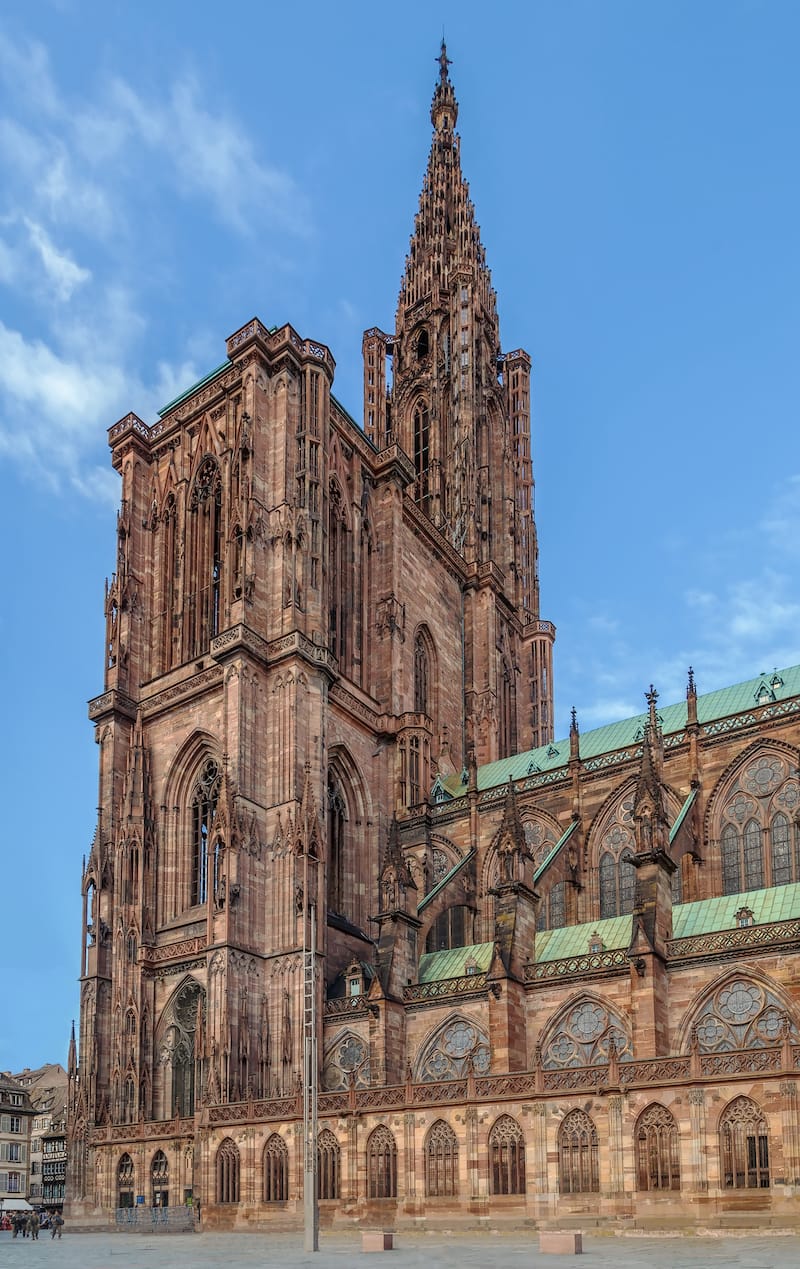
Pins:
x,y
552,978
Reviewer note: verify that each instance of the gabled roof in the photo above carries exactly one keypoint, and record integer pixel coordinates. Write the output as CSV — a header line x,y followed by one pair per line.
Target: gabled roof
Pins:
x,y
764,689
452,962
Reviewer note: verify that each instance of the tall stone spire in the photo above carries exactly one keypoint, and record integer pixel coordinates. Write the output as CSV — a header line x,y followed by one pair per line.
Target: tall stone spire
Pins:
x,y
459,409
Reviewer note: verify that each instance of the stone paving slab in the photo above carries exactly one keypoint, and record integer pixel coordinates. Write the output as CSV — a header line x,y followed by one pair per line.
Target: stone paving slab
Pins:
x,y
490,1250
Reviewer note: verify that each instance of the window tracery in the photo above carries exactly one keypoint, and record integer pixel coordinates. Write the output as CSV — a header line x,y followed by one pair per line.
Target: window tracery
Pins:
x,y
578,1155
616,875
203,814
441,1161
227,1172
381,1164
205,509
584,1035
506,1157
125,1178
657,1150
741,1014
159,1179
177,1050
757,826
346,1061
744,1146
276,1170
451,1052
329,1166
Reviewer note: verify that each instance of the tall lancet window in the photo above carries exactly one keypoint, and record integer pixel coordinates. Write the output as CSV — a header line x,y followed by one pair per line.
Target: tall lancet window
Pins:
x,y
507,720
421,676
340,582
205,530
169,580
422,442
204,811
337,815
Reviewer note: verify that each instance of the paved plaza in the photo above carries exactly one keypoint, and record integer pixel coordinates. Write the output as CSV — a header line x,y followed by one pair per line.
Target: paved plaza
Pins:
x,y
413,1251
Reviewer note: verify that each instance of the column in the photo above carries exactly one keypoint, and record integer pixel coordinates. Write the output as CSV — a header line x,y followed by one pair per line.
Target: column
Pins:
x,y
697,1142
791,1132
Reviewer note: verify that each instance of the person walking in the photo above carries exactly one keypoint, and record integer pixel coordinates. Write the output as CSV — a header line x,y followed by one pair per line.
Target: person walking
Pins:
x,y
33,1225
55,1225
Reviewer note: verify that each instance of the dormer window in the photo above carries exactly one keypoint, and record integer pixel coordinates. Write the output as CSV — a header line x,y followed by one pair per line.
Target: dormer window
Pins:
x,y
744,917
354,976
596,945
470,965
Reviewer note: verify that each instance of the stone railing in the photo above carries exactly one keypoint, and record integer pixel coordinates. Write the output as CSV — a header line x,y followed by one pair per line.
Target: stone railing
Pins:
x,y
347,1006
445,988
577,966
770,934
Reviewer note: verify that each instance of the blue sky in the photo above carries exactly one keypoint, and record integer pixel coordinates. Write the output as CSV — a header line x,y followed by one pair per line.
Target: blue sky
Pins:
x,y
167,171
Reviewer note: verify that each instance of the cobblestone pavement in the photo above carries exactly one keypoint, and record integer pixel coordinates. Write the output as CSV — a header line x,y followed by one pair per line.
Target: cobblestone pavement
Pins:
x,y
412,1251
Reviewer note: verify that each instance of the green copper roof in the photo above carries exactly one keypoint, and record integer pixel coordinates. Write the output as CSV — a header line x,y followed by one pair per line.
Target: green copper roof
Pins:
x,y
705,916
778,685
451,963
201,383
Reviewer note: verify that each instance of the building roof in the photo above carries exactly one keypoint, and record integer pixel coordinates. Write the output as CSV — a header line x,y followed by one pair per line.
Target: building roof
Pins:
x,y
763,690
705,916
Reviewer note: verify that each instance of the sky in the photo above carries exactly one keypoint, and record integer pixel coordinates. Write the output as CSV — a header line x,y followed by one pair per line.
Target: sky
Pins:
x,y
169,171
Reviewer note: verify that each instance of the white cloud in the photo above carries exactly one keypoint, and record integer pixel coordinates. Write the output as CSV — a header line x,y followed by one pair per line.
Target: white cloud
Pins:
x,y
64,274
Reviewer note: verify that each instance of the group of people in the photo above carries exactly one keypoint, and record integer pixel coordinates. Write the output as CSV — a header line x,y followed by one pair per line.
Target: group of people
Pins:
x,y
29,1223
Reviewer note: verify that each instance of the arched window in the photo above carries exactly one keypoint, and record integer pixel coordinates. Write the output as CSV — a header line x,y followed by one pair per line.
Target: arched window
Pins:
x,y
578,1160
507,725
781,851
753,856
340,581
456,1048
159,1179
276,1170
421,676
205,507
422,442
449,929
731,880
506,1157
423,344
125,1181
441,1161
228,1172
328,1166
129,1109
130,1023
131,947
608,885
744,1146
657,1154
169,582
337,817
178,1045
204,810
381,1164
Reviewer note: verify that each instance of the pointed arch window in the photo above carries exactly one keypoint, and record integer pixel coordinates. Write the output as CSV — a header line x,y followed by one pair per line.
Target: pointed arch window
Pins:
x,y
578,1156
507,728
205,507
329,1166
337,817
780,848
441,1161
657,1153
507,1157
276,1170
159,1179
228,1172
753,856
203,815
731,879
381,1164
169,581
129,1107
744,1146
422,442
340,581
421,675
125,1179
449,929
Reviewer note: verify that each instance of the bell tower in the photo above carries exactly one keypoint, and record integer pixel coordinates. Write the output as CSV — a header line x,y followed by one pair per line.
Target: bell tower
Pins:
x,y
442,389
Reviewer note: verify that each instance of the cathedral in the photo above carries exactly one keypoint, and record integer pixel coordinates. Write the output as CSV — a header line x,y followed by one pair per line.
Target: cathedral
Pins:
x,y
540,980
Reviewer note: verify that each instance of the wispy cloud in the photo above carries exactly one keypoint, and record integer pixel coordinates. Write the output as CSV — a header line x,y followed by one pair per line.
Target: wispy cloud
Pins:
x,y
74,255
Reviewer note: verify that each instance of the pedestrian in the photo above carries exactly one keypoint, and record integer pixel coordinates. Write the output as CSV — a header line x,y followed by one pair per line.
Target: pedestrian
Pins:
x,y
33,1225
55,1225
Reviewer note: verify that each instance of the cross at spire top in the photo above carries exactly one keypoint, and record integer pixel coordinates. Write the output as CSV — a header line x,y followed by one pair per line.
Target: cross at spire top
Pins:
x,y
444,61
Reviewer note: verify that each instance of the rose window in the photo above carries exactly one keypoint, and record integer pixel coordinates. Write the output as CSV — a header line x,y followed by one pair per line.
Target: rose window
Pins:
x,y
764,776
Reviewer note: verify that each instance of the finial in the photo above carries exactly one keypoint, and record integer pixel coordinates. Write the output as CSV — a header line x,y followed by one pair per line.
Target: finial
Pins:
x,y
444,61
651,697
691,690
573,727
